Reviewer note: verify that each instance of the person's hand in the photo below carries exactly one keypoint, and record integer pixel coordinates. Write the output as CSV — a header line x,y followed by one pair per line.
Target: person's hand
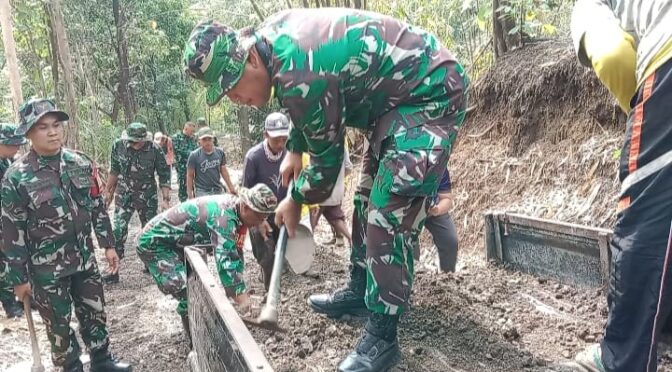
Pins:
x,y
288,213
433,211
265,229
108,199
243,302
112,260
233,191
23,291
290,167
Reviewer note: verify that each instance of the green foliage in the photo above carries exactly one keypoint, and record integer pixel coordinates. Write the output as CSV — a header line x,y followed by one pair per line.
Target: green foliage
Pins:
x,y
156,31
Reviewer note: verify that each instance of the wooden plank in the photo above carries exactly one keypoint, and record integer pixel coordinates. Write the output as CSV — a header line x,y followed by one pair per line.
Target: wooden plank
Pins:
x,y
555,226
245,354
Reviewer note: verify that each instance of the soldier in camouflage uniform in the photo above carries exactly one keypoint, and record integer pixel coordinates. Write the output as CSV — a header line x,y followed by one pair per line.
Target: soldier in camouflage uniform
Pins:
x,y
220,220
9,146
51,202
134,163
183,144
332,68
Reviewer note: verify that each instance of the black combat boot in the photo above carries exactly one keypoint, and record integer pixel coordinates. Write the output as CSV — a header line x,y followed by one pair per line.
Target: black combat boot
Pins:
x,y
75,366
13,308
378,349
347,300
103,361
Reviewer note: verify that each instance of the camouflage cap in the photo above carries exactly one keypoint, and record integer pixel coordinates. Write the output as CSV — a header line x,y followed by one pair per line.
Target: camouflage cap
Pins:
x,y
205,132
215,55
33,110
259,198
9,137
136,132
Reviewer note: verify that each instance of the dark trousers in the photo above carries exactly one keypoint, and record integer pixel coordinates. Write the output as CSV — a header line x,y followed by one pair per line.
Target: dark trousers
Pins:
x,y
444,235
639,289
264,250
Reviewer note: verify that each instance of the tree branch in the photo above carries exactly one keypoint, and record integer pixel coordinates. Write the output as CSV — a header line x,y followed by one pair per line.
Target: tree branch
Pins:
x,y
257,10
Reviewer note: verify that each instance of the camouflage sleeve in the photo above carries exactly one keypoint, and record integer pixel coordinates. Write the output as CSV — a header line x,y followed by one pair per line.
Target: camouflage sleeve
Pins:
x,y
229,263
296,142
162,168
15,224
315,105
99,217
115,165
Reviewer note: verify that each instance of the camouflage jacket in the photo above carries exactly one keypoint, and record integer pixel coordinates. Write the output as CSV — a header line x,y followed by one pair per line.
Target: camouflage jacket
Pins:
x,y
183,145
343,66
205,220
4,165
49,207
137,168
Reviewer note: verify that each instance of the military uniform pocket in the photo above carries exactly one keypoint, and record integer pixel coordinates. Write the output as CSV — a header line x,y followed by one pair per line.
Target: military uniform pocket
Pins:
x,y
82,181
415,172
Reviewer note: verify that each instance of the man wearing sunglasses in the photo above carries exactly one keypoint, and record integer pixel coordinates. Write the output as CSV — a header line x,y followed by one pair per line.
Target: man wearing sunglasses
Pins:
x,y
51,202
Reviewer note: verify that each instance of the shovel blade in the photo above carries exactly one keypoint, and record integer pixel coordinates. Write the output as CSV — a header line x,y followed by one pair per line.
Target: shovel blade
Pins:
x,y
270,326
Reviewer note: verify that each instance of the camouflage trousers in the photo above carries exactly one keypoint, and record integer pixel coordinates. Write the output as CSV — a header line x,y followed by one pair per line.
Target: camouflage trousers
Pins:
x,y
389,203
182,183
56,296
164,258
123,211
6,290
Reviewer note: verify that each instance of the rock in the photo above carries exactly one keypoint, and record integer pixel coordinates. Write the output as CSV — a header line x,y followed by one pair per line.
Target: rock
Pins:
x,y
566,354
419,335
417,351
331,330
511,334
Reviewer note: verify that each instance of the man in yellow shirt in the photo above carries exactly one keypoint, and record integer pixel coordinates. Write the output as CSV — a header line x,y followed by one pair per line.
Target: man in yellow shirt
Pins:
x,y
629,45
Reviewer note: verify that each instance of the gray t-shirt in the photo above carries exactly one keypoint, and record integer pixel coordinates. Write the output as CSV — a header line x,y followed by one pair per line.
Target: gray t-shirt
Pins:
x,y
207,168
259,169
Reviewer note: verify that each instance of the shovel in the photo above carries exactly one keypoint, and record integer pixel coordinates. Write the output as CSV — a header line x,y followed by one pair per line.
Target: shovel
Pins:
x,y
37,360
268,319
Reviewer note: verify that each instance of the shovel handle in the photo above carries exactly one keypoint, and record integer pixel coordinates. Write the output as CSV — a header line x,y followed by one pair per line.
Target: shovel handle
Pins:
x,y
37,358
278,266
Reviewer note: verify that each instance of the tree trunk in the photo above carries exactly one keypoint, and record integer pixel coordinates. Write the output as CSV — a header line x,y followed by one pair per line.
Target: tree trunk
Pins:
x,y
157,111
122,57
64,56
10,55
244,125
502,24
54,57
94,114
306,4
289,4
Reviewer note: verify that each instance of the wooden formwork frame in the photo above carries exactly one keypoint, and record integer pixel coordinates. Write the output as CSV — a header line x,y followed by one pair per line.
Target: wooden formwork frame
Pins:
x,y
497,224
245,354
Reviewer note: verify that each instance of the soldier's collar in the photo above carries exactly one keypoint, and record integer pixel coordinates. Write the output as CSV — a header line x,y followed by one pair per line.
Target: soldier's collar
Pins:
x,y
38,162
